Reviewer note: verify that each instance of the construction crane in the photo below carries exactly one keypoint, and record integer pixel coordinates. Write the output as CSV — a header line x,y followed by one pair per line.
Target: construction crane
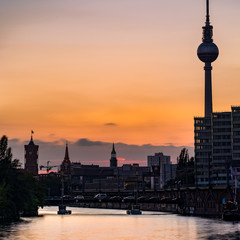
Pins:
x,y
48,167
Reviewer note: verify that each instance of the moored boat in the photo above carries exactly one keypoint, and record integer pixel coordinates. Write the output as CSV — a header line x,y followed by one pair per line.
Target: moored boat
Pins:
x,y
135,210
231,211
231,216
63,211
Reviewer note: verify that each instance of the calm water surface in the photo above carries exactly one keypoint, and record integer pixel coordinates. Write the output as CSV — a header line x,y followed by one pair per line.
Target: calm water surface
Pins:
x,y
101,224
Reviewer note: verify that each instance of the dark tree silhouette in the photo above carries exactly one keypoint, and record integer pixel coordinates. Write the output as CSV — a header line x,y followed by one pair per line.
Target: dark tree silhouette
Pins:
x,y
185,169
19,193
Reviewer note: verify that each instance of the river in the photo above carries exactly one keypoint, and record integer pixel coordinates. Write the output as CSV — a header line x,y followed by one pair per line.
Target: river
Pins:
x,y
103,224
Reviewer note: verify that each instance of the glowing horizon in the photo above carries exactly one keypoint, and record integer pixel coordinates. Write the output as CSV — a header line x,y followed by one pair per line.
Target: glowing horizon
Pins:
x,y
113,71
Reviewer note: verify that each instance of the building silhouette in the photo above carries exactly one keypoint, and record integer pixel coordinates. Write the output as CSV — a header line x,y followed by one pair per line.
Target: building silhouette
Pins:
x,y
208,52
66,163
79,177
217,134
162,170
217,147
113,160
31,157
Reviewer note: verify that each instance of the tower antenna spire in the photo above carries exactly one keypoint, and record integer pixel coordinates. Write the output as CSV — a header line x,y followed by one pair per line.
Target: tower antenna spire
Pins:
x,y
32,132
207,15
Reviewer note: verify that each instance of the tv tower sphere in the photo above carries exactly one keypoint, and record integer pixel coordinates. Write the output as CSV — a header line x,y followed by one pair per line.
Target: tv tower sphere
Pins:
x,y
207,52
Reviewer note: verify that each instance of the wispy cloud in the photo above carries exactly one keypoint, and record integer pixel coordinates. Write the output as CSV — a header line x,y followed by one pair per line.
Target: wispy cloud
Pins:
x,y
110,124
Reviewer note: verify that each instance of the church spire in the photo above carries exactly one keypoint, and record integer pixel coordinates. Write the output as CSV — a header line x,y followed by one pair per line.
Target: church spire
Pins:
x,y
66,153
113,149
113,160
66,163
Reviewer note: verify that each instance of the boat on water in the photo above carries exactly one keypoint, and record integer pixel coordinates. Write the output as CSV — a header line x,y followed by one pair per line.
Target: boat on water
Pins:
x,y
135,210
231,216
231,211
63,211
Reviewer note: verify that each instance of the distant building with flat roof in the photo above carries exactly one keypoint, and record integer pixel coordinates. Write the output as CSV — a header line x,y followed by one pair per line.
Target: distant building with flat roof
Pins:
x,y
162,168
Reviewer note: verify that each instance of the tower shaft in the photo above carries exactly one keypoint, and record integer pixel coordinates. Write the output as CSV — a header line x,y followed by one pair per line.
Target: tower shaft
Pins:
x,y
208,89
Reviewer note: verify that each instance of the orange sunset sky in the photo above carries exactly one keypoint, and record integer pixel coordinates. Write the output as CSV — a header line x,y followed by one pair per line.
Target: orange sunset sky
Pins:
x,y
113,70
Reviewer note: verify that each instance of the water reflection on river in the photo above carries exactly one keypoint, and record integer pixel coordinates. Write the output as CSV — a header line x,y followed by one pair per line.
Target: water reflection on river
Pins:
x,y
100,224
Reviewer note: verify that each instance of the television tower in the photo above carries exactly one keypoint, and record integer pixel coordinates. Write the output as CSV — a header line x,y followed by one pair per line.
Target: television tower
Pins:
x,y
208,52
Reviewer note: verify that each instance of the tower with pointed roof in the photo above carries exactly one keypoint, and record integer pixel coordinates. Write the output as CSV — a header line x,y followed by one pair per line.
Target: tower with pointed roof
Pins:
x,y
31,157
66,163
113,160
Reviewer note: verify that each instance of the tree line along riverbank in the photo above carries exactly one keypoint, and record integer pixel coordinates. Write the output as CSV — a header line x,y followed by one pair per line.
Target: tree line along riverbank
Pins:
x,y
20,193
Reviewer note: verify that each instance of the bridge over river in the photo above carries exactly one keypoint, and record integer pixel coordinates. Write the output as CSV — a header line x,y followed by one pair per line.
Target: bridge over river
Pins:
x,y
204,201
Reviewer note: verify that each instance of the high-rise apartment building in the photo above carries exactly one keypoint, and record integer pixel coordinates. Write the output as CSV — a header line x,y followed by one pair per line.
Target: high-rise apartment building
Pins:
x,y
217,147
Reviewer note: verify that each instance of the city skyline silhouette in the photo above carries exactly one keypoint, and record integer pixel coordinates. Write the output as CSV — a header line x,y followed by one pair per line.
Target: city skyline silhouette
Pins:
x,y
112,72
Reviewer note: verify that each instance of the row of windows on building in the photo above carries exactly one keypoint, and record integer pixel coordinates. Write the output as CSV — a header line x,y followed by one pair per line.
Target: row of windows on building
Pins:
x,y
202,134
205,121
205,156
219,144
218,124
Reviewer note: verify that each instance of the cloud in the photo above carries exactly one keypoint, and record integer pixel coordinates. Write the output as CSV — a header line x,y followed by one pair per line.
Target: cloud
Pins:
x,y
87,143
110,124
169,144
14,141
95,152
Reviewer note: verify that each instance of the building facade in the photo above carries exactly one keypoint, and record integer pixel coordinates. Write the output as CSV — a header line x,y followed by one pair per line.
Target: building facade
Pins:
x,y
162,170
217,147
